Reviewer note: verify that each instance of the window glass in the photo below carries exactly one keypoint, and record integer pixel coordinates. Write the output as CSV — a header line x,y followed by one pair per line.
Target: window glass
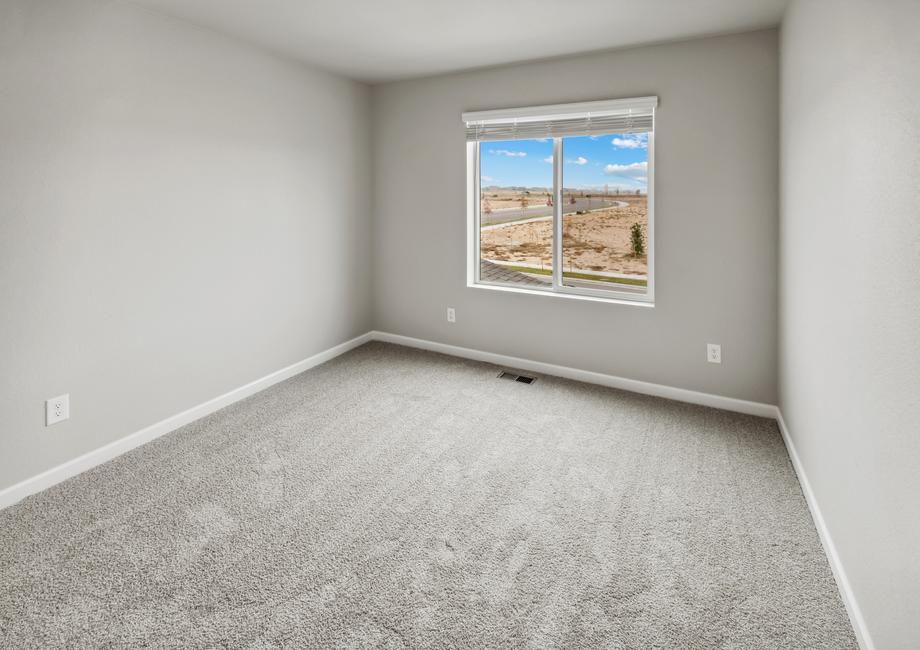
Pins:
x,y
560,198
516,212
605,212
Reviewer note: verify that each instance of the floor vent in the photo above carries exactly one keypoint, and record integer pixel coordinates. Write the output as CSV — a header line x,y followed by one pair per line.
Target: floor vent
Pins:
x,y
524,379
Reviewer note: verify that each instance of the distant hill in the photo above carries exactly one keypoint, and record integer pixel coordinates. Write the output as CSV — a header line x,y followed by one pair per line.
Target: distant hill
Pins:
x,y
543,190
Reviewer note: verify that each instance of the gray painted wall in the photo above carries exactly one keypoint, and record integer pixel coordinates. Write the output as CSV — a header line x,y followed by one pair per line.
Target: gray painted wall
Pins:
x,y
716,216
850,290
172,225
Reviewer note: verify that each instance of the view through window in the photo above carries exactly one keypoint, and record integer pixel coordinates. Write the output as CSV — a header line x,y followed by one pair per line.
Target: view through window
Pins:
x,y
604,211
516,212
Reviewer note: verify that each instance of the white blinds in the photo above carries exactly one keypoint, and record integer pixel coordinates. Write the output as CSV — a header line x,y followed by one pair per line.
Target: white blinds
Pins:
x,y
586,118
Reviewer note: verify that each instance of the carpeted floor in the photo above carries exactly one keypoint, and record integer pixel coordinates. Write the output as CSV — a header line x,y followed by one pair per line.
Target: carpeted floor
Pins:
x,y
396,498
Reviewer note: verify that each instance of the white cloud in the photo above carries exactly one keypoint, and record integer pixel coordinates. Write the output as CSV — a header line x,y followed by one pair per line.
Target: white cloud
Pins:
x,y
548,159
506,152
631,141
487,179
581,160
637,170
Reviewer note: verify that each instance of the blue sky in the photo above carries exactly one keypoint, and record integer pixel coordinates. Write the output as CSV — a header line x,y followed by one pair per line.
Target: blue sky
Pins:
x,y
591,162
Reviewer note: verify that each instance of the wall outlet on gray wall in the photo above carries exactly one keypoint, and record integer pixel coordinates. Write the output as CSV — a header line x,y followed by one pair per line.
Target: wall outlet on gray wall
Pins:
x,y
57,409
713,353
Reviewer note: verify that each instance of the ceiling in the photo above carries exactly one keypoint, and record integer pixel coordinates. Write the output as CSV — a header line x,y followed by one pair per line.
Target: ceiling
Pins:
x,y
384,40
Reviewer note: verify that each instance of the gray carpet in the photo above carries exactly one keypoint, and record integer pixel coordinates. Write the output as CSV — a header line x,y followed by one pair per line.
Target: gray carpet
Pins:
x,y
395,498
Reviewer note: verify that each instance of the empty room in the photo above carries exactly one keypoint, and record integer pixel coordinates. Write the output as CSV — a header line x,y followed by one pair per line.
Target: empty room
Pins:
x,y
419,324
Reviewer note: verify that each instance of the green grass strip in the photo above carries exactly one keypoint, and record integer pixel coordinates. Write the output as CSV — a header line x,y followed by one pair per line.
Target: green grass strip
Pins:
x,y
579,276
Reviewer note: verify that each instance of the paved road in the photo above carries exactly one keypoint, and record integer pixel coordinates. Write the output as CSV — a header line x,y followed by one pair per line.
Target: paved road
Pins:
x,y
543,210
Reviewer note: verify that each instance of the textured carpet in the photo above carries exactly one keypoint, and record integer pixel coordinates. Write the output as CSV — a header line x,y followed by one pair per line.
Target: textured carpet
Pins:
x,y
397,498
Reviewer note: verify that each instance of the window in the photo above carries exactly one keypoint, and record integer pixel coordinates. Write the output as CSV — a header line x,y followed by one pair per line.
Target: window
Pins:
x,y
561,199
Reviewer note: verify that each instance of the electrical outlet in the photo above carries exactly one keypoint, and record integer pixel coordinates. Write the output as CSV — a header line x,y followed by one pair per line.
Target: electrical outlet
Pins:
x,y
451,315
57,409
713,353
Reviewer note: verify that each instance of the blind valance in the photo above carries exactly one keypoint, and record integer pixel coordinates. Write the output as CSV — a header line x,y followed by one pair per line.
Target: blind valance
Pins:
x,y
586,118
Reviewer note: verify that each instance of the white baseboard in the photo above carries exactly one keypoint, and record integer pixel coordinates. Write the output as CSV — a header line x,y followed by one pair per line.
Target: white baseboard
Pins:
x,y
106,453
843,583
71,468
633,385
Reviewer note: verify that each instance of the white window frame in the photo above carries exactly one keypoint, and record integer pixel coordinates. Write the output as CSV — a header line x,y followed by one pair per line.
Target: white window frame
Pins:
x,y
557,288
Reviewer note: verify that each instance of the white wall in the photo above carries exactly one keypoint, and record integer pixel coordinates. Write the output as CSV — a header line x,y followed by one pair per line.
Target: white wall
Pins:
x,y
715,218
173,224
850,290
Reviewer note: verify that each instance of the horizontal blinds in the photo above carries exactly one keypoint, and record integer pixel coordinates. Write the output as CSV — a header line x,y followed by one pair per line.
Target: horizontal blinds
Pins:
x,y
590,118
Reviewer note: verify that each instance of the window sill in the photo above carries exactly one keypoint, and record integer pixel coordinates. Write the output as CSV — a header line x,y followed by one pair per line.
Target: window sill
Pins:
x,y
616,300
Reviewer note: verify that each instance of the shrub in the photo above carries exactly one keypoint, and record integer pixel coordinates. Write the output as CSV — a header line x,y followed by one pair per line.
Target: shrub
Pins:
x,y
637,240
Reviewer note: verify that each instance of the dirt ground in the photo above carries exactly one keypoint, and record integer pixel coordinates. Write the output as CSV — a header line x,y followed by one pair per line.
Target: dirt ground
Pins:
x,y
597,241
499,198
